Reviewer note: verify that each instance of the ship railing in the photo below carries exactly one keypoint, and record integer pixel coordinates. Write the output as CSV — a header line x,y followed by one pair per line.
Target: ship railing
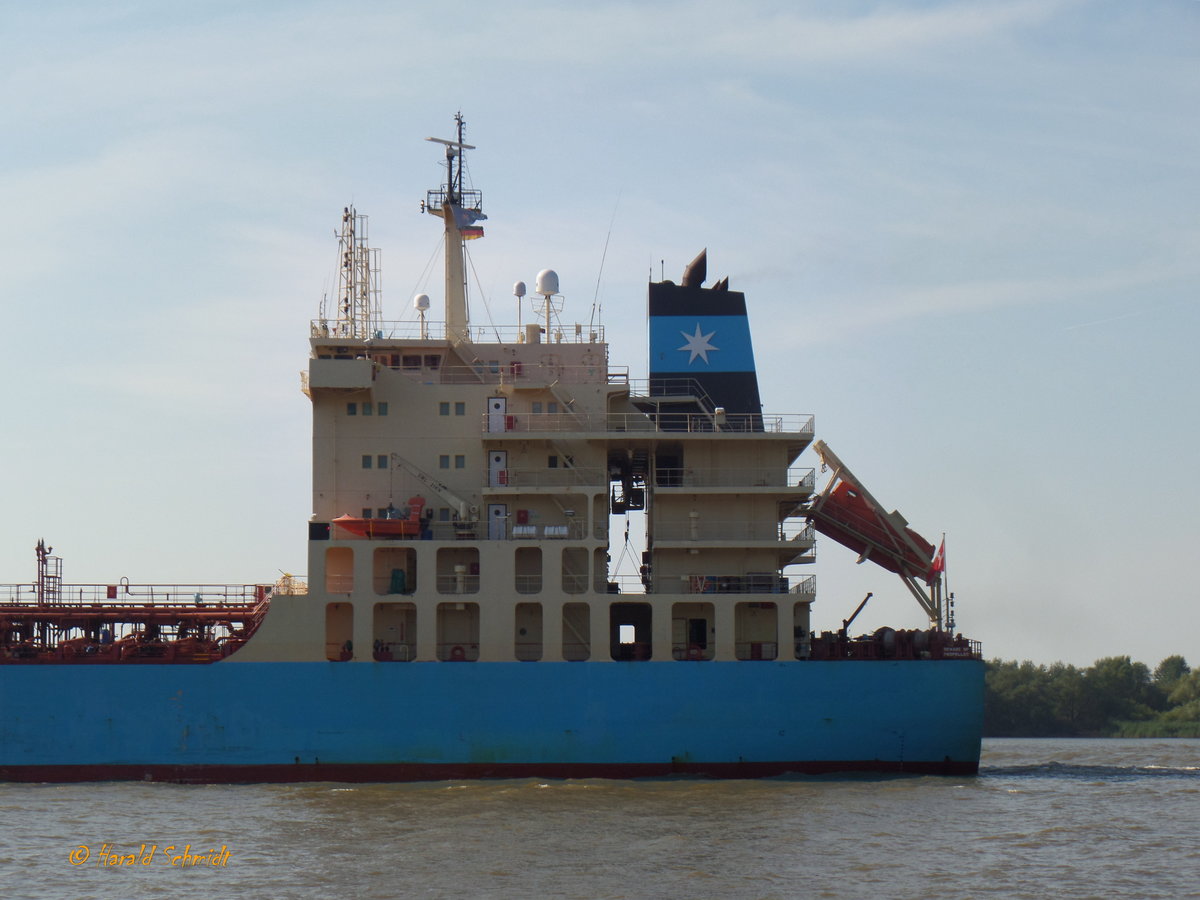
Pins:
x,y
790,530
504,530
691,651
457,584
127,594
527,375
531,477
394,651
801,479
528,584
756,650
573,583
671,390
458,651
291,585
805,586
758,583
510,530
620,584
675,423
618,375
398,330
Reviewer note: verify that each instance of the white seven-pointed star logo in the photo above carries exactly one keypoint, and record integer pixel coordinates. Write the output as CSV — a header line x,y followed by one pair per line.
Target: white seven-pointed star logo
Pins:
x,y
697,344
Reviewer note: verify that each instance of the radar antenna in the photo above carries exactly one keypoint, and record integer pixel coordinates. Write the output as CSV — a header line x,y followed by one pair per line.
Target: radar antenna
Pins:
x,y
359,313
460,209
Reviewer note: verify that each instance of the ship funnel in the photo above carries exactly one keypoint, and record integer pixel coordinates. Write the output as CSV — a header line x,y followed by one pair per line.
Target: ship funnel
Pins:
x,y
697,270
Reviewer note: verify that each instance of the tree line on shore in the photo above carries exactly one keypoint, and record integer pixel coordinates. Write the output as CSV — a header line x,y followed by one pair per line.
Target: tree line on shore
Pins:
x,y
1114,697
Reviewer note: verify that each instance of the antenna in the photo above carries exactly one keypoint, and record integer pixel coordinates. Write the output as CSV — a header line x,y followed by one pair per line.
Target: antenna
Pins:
x,y
358,306
421,304
519,293
547,286
459,210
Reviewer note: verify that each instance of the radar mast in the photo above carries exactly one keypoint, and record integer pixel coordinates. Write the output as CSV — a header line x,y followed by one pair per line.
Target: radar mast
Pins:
x,y
460,209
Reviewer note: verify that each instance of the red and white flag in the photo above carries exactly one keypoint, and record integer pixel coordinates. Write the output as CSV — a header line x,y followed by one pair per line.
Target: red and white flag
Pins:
x,y
939,559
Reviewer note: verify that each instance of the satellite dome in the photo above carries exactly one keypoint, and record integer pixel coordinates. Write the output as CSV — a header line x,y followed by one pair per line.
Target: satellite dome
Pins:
x,y
421,302
519,289
547,282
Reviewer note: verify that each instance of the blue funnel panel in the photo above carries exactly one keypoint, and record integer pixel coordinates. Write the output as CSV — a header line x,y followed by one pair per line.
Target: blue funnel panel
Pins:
x,y
700,347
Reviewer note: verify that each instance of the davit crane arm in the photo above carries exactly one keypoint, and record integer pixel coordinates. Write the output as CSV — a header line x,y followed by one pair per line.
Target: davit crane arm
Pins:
x,y
847,512
466,512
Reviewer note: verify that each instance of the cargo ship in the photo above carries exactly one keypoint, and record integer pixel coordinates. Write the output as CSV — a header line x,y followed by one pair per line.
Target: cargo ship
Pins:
x,y
463,616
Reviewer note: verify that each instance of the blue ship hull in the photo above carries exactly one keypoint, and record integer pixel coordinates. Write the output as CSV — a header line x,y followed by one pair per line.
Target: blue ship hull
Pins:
x,y
242,722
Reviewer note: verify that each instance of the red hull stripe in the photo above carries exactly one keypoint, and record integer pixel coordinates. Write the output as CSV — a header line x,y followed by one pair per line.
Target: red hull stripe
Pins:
x,y
391,772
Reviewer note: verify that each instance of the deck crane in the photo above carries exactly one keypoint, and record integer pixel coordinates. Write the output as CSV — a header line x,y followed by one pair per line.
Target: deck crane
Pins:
x,y
466,512
847,512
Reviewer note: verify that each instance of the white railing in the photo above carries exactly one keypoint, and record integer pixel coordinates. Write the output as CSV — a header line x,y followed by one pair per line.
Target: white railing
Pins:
x,y
582,476
125,594
458,584
806,584
682,423
713,584
396,330
804,479
735,530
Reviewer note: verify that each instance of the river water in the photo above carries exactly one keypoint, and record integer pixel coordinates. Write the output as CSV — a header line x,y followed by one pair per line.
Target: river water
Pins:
x,y
1045,818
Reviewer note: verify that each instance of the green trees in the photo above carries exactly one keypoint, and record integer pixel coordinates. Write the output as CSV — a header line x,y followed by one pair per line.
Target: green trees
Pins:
x,y
1113,697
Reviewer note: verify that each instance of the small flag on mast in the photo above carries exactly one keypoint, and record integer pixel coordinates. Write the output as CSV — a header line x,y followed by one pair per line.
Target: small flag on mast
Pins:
x,y
939,559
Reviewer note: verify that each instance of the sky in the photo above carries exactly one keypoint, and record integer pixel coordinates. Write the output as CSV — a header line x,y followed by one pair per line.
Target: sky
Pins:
x,y
968,233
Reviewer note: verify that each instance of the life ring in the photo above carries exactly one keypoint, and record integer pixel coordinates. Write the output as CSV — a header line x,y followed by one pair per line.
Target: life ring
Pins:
x,y
458,654
694,652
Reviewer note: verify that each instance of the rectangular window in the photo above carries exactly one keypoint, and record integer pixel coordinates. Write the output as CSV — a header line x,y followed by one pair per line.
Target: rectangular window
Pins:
x,y
381,461
552,462
460,462
537,407
444,514
443,462
432,362
551,407
368,409
366,513
444,408
383,513
410,362
366,461
352,409
382,407
460,409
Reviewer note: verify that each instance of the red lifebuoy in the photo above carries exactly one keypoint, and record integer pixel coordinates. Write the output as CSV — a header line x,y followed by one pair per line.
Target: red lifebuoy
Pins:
x,y
694,652
458,654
